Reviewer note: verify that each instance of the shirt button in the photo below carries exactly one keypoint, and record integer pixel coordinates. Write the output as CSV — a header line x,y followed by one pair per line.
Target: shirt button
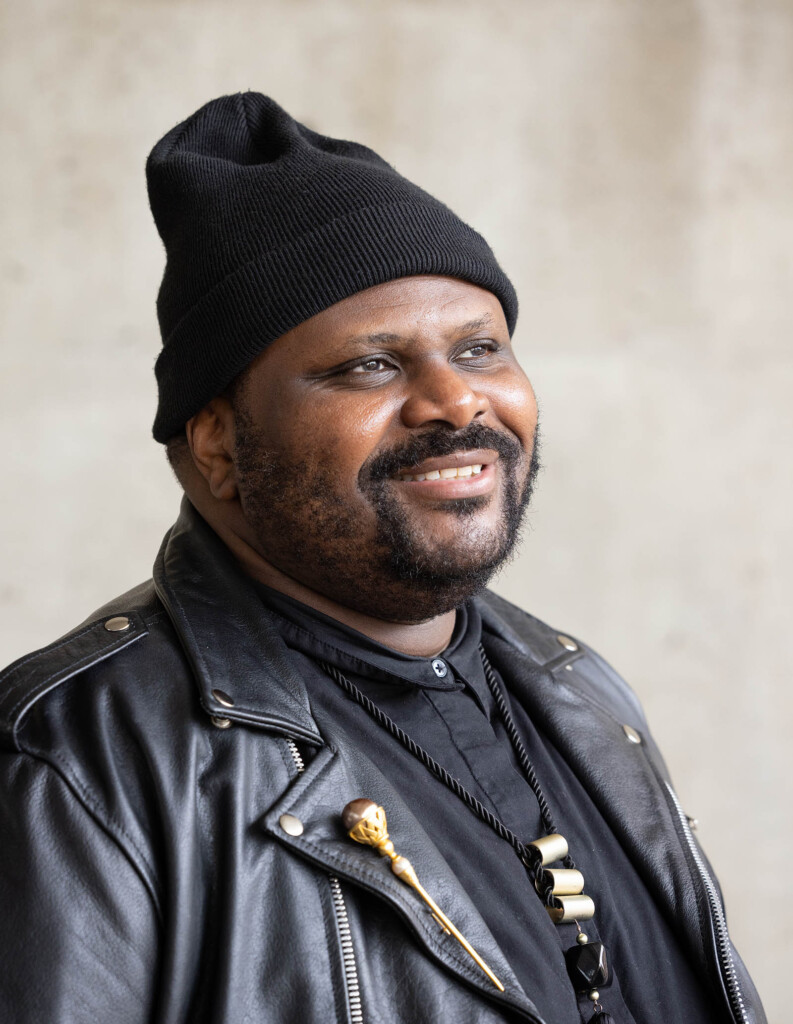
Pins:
x,y
439,668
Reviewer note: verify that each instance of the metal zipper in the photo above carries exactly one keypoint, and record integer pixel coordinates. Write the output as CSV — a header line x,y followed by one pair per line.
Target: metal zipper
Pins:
x,y
724,948
297,757
342,922
347,952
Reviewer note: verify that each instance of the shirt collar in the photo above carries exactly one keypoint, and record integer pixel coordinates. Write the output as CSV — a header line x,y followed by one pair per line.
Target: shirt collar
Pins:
x,y
323,638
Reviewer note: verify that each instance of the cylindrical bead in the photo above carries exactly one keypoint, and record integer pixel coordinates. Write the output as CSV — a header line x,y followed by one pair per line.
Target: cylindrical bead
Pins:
x,y
550,848
573,908
566,881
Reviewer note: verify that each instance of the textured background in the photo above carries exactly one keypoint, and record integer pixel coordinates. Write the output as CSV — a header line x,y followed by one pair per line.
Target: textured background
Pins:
x,y
630,162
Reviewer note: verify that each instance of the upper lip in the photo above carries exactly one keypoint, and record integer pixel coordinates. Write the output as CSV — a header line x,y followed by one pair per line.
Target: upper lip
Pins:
x,y
474,457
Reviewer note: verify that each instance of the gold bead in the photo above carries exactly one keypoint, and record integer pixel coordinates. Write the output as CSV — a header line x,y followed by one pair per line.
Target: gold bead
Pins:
x,y
594,995
581,939
550,848
573,908
566,881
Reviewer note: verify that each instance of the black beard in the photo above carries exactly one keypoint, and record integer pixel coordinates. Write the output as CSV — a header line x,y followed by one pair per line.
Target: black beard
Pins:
x,y
311,533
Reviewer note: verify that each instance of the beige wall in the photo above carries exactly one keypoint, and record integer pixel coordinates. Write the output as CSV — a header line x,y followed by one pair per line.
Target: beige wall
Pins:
x,y
630,161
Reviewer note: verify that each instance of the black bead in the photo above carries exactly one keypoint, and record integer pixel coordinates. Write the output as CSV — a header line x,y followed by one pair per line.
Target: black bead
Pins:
x,y
587,966
601,1017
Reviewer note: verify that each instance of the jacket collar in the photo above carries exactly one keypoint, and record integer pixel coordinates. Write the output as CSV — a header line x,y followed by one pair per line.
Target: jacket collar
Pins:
x,y
230,641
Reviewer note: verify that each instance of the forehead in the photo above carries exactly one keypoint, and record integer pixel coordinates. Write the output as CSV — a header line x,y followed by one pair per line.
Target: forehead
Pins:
x,y
423,302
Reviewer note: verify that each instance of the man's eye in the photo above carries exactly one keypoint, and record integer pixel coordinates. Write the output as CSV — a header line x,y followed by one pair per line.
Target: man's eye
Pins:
x,y
479,351
371,366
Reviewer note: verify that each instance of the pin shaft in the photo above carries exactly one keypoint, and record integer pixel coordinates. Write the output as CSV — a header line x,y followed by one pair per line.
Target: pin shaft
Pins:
x,y
414,883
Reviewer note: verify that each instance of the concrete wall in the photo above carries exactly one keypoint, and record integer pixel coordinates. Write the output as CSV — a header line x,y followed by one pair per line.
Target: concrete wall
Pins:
x,y
630,162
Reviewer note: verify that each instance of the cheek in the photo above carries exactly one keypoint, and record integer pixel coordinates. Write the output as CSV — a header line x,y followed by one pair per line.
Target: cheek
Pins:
x,y
333,448
343,434
516,406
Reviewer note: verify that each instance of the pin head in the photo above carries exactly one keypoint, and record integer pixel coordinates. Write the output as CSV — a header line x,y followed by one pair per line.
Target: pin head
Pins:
x,y
365,823
357,810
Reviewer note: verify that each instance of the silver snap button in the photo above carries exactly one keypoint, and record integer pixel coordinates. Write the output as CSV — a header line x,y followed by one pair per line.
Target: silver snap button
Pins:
x,y
439,667
631,733
117,624
220,723
567,643
291,825
223,698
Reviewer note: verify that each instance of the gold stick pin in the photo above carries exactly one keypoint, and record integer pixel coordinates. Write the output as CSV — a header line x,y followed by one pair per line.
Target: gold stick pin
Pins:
x,y
366,823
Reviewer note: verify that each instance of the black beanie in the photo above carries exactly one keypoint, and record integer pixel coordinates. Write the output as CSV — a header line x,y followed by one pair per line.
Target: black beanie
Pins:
x,y
265,224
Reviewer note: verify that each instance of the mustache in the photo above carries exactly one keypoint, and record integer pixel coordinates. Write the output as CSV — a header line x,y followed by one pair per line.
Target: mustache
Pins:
x,y
438,442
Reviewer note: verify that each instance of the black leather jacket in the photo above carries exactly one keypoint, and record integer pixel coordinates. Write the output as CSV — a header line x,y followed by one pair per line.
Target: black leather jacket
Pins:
x,y
144,871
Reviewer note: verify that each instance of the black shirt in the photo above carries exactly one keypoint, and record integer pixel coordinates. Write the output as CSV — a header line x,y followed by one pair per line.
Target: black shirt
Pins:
x,y
445,705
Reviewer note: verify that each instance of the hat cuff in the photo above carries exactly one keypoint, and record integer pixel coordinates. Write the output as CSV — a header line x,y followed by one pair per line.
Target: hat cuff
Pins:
x,y
247,311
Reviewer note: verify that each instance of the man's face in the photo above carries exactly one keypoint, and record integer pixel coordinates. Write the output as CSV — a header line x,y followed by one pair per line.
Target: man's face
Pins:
x,y
384,448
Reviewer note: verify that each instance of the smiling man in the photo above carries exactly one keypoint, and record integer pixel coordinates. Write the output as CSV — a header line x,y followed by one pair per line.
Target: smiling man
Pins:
x,y
313,770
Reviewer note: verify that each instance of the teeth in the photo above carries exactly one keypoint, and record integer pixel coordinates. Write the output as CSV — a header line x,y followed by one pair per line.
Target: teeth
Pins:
x,y
442,474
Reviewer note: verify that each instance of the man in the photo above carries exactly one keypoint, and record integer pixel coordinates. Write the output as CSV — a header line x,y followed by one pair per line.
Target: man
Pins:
x,y
197,781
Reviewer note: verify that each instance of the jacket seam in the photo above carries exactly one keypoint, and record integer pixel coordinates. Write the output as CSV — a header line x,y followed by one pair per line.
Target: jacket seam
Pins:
x,y
35,692
112,828
589,699
155,617
13,668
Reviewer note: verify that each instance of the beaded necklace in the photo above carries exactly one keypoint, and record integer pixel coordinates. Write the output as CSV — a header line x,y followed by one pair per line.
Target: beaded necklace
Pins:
x,y
560,888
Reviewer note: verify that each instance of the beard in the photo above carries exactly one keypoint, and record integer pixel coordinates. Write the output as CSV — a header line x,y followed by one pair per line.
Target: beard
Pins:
x,y
396,571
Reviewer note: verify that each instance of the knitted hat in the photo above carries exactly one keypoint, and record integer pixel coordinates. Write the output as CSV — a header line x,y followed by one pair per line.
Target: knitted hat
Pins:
x,y
265,224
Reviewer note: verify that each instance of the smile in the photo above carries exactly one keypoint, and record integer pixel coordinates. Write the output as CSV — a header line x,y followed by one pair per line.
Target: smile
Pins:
x,y
465,474
450,473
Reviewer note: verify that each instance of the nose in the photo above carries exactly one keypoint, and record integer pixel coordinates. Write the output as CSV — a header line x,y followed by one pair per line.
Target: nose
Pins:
x,y
441,394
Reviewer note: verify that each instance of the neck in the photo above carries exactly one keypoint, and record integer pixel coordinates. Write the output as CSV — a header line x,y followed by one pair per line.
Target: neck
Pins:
x,y
421,639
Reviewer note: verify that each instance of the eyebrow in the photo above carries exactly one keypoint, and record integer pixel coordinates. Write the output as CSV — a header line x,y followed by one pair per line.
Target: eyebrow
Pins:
x,y
386,338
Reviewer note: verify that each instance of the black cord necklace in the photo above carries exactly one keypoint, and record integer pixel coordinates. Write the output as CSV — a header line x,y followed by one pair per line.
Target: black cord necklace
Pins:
x,y
560,889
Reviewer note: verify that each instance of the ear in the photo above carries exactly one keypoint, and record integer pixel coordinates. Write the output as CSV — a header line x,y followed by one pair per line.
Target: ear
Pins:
x,y
210,434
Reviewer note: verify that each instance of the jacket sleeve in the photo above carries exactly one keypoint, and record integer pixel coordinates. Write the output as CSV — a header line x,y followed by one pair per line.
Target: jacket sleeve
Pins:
x,y
78,928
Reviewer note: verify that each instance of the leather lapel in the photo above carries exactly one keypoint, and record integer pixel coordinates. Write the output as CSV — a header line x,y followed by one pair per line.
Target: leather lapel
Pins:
x,y
624,779
330,780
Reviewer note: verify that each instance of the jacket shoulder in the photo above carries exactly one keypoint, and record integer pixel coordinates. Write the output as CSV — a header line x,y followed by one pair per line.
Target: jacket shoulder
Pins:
x,y
560,651
112,628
